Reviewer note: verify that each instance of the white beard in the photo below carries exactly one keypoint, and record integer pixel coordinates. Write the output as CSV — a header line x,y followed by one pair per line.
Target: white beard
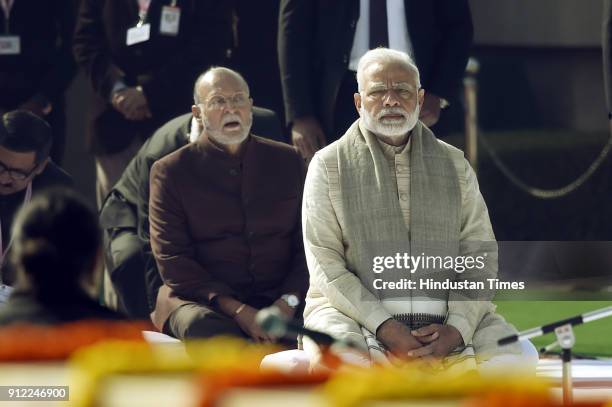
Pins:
x,y
219,135
390,128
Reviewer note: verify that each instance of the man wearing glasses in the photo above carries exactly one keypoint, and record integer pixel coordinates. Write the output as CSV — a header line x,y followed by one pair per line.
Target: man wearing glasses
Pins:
x,y
25,169
224,214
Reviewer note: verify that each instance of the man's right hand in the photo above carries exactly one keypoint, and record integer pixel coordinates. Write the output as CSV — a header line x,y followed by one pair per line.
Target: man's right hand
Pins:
x,y
397,338
307,136
246,321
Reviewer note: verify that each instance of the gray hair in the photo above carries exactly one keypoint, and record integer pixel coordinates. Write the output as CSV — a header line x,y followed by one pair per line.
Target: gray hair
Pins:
x,y
215,70
385,56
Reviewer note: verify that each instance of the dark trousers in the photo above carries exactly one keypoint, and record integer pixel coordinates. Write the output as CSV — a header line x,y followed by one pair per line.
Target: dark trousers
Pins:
x,y
195,321
345,112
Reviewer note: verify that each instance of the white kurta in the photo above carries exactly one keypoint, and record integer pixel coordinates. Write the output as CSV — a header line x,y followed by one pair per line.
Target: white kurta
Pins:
x,y
335,293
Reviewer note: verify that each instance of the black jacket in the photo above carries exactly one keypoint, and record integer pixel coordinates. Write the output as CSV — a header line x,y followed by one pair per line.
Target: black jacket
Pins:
x,y
165,66
606,47
316,36
45,66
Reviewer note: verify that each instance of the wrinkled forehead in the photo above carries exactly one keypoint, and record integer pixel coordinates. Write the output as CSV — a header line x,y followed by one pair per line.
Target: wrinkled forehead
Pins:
x,y
385,76
221,83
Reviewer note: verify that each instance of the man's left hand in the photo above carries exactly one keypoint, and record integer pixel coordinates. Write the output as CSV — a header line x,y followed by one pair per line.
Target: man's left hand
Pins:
x,y
132,103
438,340
430,111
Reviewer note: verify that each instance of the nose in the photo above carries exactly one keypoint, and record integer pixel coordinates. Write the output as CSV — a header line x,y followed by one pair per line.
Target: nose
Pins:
x,y
391,99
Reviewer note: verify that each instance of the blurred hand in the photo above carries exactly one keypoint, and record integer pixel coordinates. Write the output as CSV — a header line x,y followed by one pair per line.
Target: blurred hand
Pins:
x,y
438,340
285,309
307,136
246,321
397,338
36,108
430,111
132,104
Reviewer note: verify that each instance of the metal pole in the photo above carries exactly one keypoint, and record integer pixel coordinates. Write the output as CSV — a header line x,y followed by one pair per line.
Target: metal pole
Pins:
x,y
567,377
470,88
567,340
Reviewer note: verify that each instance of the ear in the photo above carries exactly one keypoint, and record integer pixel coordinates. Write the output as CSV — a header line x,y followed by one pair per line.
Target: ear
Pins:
x,y
357,99
41,166
421,97
196,111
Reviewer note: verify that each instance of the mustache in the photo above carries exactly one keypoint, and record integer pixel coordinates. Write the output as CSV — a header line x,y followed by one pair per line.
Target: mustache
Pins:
x,y
231,118
392,110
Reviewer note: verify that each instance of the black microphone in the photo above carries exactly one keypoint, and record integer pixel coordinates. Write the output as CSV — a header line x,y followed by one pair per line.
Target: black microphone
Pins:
x,y
275,324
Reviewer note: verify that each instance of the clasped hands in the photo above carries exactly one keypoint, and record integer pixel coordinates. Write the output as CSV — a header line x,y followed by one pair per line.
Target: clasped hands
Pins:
x,y
132,103
432,341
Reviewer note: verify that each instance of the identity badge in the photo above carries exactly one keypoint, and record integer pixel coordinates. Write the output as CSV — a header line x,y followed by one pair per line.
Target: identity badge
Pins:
x,y
138,34
170,19
10,45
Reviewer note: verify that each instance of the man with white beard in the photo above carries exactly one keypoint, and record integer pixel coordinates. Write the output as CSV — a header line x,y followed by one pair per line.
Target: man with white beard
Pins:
x,y
224,221
389,186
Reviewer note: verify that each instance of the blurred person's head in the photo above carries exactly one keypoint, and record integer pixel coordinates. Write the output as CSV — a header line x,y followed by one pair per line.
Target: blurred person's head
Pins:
x,y
25,142
57,245
224,106
389,94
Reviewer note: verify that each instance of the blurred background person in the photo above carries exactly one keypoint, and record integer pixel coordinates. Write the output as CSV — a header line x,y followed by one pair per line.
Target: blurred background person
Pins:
x,y
141,58
36,63
320,43
57,252
25,171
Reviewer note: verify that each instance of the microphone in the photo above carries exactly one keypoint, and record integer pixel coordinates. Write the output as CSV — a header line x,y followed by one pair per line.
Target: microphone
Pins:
x,y
544,329
275,324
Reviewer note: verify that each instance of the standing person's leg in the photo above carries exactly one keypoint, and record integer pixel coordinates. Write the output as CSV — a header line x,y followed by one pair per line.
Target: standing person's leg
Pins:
x,y
345,113
109,168
57,121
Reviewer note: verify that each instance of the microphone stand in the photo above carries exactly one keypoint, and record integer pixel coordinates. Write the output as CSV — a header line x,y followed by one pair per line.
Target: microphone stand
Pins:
x,y
565,339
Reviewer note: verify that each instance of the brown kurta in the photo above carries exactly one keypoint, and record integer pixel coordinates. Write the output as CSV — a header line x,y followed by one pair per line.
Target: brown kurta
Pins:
x,y
227,224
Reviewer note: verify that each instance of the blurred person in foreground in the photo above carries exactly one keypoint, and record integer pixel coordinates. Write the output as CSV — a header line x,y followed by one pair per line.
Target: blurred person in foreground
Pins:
x,y
57,254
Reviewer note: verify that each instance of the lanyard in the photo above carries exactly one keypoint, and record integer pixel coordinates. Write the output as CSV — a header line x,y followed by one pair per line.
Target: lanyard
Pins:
x,y
26,200
7,5
143,10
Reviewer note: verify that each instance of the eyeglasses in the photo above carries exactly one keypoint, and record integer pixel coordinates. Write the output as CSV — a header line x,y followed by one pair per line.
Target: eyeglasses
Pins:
x,y
219,102
15,174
